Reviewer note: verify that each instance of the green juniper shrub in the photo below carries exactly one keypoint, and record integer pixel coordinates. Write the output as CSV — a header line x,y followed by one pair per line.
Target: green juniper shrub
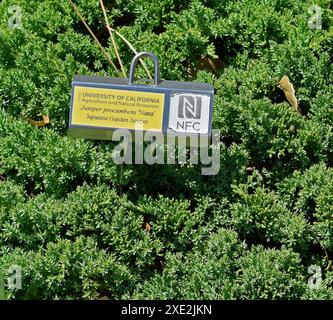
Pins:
x,y
206,272
270,274
260,216
40,158
170,221
100,213
81,227
310,193
323,291
30,224
11,194
68,270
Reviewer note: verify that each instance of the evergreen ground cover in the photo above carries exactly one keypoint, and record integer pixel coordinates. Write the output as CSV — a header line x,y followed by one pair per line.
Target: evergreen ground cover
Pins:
x,y
81,227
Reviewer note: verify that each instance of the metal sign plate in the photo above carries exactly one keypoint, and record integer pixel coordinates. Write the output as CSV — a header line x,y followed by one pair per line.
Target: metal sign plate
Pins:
x,y
100,105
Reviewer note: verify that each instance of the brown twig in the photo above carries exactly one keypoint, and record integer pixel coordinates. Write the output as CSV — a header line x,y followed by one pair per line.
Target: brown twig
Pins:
x,y
101,47
112,38
93,35
133,49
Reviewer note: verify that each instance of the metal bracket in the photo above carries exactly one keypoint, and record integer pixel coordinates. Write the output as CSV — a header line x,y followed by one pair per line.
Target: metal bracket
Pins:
x,y
135,61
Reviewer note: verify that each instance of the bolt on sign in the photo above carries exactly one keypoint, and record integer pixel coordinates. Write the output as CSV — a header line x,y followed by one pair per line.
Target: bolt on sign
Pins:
x,y
101,105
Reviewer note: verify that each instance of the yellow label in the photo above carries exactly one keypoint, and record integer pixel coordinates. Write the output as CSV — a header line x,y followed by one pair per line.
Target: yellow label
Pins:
x,y
101,107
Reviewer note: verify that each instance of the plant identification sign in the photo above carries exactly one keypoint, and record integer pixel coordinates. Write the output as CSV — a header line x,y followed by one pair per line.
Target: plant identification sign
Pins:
x,y
115,108
101,105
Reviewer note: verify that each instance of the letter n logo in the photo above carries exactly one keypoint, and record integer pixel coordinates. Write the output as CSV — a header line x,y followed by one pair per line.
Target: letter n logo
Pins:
x,y
189,107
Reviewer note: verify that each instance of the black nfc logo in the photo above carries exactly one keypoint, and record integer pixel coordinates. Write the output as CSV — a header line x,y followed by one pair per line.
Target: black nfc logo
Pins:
x,y
189,107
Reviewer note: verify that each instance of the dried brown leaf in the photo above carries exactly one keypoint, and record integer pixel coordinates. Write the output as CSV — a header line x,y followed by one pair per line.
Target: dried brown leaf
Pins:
x,y
289,92
146,226
42,123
